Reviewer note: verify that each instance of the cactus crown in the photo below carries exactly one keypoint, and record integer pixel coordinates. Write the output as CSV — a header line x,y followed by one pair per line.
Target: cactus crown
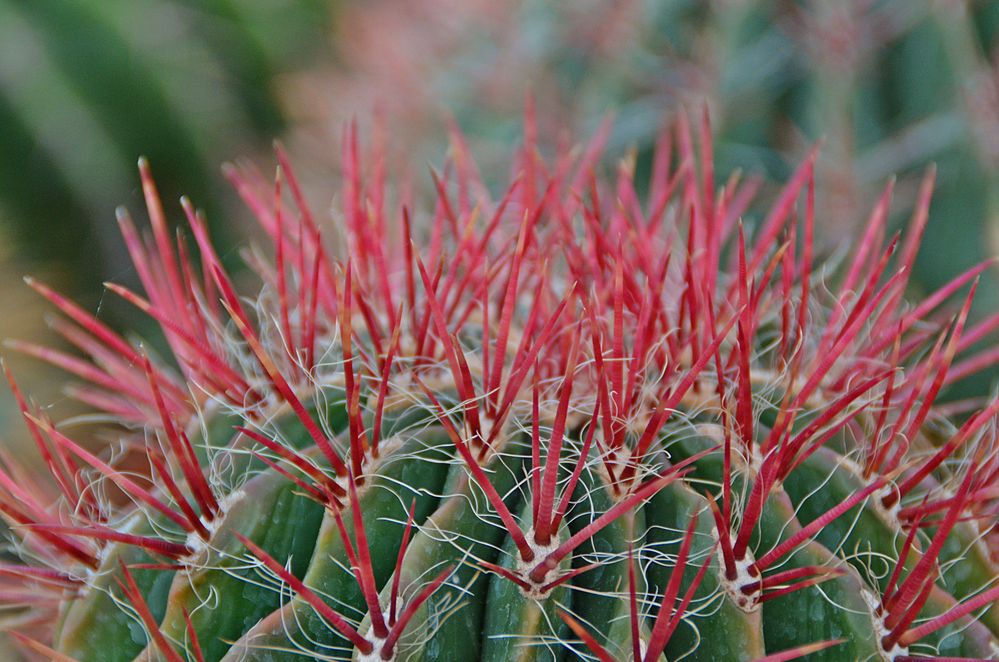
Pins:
x,y
566,423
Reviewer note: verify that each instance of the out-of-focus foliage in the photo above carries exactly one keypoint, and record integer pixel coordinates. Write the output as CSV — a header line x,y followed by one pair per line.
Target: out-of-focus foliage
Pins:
x,y
86,86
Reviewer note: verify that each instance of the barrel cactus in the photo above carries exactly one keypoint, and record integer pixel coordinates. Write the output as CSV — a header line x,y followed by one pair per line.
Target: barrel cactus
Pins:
x,y
572,421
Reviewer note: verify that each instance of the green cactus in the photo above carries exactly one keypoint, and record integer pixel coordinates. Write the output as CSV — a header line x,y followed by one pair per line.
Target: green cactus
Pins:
x,y
568,423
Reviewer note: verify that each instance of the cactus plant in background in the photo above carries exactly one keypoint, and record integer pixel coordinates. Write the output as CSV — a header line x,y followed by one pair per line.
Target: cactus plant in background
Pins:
x,y
564,422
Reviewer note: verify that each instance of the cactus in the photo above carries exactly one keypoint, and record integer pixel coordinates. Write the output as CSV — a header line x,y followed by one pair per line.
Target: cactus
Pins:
x,y
567,423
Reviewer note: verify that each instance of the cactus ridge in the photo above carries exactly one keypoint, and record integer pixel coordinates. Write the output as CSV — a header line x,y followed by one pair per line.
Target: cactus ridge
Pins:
x,y
571,422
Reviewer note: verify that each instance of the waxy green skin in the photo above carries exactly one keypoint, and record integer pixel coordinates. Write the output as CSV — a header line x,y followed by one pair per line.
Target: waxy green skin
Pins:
x,y
722,630
90,627
93,628
602,593
520,627
460,533
411,471
479,615
273,516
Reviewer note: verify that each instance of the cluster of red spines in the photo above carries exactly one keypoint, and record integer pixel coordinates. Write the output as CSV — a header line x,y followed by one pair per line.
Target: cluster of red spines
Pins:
x,y
644,288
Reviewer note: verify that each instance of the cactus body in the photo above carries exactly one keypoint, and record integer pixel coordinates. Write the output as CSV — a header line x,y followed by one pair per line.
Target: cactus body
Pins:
x,y
558,428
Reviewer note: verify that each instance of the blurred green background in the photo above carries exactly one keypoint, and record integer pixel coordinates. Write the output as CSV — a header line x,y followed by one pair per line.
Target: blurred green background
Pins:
x,y
86,86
